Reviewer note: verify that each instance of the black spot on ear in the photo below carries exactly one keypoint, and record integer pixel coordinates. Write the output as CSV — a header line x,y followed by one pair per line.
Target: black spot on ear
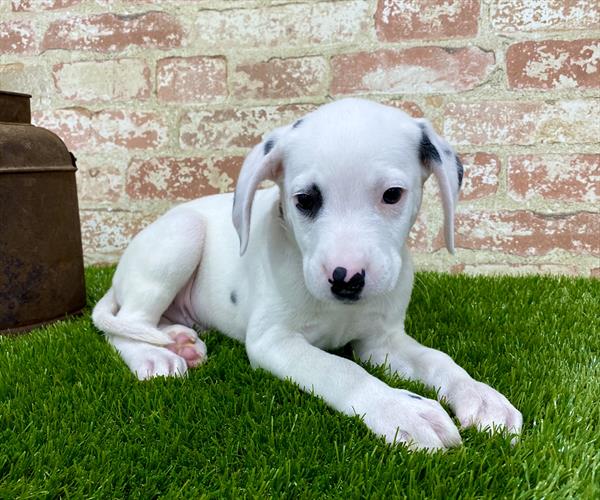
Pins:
x,y
427,151
268,146
460,171
297,124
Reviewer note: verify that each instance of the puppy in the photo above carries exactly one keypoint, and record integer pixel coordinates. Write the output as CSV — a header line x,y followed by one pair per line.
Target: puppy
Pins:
x,y
316,262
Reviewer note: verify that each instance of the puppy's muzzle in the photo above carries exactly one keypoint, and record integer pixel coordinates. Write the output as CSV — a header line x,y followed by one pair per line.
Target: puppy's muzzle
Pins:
x,y
347,290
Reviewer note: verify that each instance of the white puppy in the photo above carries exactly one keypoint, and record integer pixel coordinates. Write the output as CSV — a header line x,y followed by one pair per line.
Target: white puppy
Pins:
x,y
324,263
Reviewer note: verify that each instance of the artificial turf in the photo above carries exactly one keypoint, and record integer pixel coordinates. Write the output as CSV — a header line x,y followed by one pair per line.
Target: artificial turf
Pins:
x,y
75,423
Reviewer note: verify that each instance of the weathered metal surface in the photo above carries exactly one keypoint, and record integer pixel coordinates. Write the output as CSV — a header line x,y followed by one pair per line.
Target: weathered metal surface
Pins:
x,y
41,260
14,108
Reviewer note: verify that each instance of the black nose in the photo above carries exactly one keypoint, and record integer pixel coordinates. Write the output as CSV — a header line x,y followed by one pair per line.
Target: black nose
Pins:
x,y
339,274
347,290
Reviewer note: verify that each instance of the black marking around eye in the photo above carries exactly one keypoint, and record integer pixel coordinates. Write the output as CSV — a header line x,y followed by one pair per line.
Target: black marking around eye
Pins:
x,y
309,202
460,171
427,151
298,122
268,146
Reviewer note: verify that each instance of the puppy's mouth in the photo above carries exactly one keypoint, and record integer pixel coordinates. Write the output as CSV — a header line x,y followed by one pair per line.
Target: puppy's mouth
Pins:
x,y
347,299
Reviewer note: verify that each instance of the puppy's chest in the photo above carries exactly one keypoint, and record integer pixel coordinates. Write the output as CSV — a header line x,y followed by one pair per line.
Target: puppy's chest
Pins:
x,y
334,330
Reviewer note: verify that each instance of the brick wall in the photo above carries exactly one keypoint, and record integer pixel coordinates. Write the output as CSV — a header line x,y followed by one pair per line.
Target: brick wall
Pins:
x,y
161,100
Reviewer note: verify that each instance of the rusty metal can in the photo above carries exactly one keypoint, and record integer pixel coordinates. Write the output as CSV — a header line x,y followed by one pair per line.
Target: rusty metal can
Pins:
x,y
41,258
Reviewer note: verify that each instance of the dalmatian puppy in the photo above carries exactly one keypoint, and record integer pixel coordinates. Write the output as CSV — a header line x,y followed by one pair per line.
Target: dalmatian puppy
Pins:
x,y
314,263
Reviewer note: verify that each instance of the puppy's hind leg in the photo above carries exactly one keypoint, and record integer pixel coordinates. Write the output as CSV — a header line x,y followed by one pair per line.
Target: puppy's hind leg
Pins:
x,y
156,266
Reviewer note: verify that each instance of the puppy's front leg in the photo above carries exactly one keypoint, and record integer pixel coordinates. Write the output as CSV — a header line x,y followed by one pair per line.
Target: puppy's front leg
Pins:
x,y
473,402
397,415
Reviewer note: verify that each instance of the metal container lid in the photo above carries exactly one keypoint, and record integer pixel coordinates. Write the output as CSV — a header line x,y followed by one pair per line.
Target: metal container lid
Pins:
x,y
25,148
14,107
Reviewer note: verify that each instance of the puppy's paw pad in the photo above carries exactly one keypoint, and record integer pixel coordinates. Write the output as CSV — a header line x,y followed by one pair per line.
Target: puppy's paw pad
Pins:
x,y
187,345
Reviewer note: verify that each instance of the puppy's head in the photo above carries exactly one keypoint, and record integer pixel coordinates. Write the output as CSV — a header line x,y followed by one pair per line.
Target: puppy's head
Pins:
x,y
350,176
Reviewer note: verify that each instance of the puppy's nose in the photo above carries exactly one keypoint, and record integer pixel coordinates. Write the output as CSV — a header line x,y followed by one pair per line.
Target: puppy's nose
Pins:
x,y
347,290
339,274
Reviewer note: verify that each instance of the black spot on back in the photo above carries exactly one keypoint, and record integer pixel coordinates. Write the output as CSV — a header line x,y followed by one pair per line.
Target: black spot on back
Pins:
x,y
460,171
233,297
427,151
268,146
414,396
298,122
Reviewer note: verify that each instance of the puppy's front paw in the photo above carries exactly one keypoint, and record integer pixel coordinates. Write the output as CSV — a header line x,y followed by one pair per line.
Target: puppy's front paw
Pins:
x,y
477,404
417,422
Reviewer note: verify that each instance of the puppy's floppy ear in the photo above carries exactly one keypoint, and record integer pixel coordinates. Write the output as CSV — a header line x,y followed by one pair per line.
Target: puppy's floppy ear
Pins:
x,y
265,162
438,156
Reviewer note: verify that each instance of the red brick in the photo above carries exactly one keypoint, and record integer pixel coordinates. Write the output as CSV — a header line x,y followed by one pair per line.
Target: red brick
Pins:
x,y
105,234
457,268
184,79
37,5
72,125
31,78
512,122
130,130
554,64
117,79
528,233
229,165
419,238
16,37
100,179
111,32
281,78
409,107
397,20
555,177
414,70
81,129
233,127
481,175
181,178
290,25
539,15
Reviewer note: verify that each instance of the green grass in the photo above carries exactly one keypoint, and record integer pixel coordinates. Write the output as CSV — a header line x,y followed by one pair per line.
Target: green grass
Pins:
x,y
75,423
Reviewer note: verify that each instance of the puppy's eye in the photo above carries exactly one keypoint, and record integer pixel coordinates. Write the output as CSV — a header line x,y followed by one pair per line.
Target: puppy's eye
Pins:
x,y
309,203
392,195
305,202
